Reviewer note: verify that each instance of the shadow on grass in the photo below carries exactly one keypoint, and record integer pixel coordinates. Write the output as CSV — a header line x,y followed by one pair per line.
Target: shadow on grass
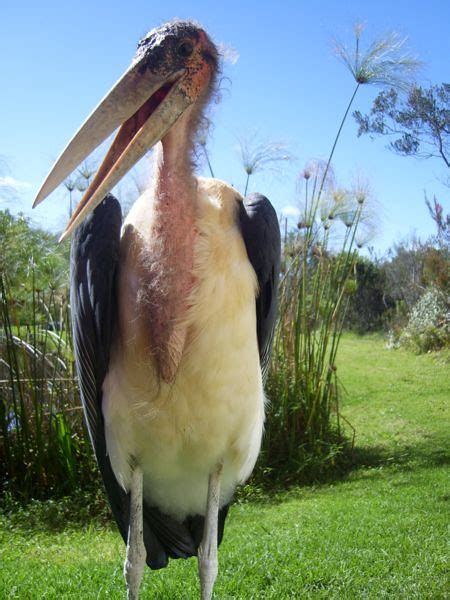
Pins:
x,y
372,461
90,509
430,452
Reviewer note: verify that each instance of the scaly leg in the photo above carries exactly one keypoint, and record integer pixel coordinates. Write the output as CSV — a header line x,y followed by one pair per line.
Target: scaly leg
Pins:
x,y
207,552
133,567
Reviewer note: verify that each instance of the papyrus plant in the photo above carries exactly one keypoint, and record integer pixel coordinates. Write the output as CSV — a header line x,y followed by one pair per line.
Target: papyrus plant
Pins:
x,y
303,430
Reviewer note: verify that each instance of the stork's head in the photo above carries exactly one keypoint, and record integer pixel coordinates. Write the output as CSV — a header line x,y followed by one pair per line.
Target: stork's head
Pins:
x,y
173,69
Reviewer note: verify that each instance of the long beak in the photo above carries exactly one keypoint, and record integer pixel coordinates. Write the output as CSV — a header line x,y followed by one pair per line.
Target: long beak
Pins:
x,y
145,105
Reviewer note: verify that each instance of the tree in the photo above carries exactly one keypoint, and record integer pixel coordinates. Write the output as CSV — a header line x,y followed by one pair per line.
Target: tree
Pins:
x,y
420,123
369,302
412,266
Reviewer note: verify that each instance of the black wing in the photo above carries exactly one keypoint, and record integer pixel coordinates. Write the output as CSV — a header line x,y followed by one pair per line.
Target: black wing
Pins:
x,y
261,233
94,264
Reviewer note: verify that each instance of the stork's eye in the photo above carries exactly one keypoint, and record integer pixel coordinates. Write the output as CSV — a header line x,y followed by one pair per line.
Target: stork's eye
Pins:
x,y
185,49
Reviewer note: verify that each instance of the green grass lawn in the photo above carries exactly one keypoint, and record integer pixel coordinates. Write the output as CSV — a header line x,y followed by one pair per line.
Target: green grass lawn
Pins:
x,y
380,532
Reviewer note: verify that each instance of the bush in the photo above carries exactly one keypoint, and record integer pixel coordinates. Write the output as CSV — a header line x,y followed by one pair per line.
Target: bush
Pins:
x,y
428,326
44,451
303,438
369,304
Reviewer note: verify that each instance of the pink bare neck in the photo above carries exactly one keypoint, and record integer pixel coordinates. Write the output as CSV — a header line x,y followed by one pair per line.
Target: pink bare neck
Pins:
x,y
172,239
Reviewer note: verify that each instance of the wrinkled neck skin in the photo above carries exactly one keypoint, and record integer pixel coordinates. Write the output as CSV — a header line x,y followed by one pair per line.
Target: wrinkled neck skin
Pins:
x,y
172,246
174,184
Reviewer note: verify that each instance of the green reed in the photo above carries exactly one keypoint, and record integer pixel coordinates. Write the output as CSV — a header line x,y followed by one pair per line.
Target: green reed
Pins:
x,y
43,449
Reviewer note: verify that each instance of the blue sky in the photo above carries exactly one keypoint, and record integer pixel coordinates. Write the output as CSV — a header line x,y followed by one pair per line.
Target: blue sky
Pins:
x,y
59,58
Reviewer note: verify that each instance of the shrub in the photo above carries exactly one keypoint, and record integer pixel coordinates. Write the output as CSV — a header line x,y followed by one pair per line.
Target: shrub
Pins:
x,y
43,448
428,326
303,438
369,304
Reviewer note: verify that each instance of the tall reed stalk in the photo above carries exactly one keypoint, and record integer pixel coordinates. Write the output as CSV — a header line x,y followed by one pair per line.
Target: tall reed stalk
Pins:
x,y
43,451
303,429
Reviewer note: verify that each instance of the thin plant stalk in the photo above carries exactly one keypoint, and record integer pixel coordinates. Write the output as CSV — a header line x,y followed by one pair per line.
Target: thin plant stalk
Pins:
x,y
336,139
41,430
208,161
246,183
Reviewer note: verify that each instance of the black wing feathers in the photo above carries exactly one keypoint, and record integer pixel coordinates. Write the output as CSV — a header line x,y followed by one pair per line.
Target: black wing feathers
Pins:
x,y
261,234
94,260
94,264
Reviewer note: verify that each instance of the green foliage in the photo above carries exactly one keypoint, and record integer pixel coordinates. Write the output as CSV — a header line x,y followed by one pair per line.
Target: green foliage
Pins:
x,y
420,123
379,533
32,260
303,434
43,448
368,304
40,412
435,268
411,266
303,438
428,326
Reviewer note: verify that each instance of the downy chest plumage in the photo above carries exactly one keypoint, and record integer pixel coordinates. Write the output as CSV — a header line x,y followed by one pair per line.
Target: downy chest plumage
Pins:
x,y
186,420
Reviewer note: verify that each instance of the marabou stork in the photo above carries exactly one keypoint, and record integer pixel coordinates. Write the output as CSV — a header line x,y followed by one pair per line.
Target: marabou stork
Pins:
x,y
173,311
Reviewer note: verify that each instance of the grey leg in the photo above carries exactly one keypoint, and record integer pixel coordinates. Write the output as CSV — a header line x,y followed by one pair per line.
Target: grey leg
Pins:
x,y
207,552
133,567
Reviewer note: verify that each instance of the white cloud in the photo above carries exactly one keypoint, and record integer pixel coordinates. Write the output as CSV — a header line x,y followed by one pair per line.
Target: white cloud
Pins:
x,y
14,183
290,211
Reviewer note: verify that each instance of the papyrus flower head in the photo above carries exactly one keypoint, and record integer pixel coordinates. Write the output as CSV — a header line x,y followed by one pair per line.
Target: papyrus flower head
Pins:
x,y
385,62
